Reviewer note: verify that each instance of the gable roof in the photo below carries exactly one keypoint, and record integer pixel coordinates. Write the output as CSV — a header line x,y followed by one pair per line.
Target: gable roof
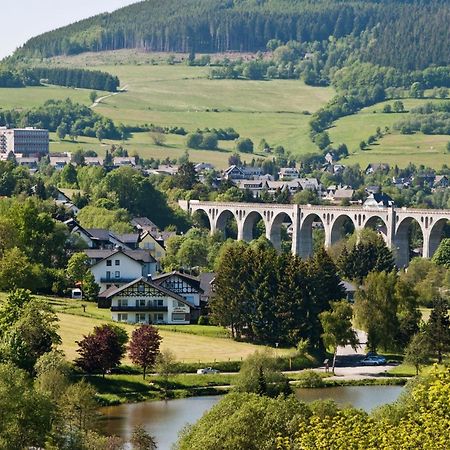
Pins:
x,y
112,291
143,222
189,279
206,283
128,238
140,256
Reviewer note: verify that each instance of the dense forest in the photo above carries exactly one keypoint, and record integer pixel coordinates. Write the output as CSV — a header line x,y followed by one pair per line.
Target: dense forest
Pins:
x,y
77,78
409,34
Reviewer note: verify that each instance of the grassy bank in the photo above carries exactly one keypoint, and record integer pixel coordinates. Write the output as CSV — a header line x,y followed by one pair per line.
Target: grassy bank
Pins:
x,y
116,389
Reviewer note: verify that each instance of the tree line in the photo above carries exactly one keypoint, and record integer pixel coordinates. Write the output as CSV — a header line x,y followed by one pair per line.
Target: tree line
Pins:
x,y
268,298
409,34
65,117
60,76
78,78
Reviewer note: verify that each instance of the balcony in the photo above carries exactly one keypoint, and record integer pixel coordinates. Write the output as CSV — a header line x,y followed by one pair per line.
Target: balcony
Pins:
x,y
149,307
113,280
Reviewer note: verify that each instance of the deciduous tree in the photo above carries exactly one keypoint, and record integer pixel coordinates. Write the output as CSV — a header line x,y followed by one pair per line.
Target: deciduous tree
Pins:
x,y
100,351
144,347
337,327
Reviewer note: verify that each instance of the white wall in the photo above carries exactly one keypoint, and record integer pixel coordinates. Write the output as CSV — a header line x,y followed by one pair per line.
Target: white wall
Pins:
x,y
173,307
127,268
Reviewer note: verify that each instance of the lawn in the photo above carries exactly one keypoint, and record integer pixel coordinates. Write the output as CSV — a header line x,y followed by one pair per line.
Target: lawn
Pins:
x,y
190,343
29,97
393,148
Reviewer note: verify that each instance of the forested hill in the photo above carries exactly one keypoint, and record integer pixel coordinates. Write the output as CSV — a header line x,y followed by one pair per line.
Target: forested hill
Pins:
x,y
408,34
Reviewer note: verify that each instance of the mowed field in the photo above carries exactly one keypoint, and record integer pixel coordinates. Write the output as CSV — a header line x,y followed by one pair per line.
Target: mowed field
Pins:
x,y
178,95
28,97
189,343
183,96
393,148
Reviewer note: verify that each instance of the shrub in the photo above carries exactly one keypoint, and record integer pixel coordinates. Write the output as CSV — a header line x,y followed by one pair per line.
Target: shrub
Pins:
x,y
244,145
203,320
310,379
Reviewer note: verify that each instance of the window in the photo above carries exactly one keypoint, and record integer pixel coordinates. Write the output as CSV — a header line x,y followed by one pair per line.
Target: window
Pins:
x,y
122,317
123,302
140,302
108,275
117,274
141,288
160,302
109,262
159,317
176,317
140,318
117,262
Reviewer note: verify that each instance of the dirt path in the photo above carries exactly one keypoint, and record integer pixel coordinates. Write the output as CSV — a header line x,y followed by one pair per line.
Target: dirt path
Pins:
x,y
100,99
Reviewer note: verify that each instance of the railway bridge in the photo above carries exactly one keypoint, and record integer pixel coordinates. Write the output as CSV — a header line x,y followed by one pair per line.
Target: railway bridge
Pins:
x,y
392,222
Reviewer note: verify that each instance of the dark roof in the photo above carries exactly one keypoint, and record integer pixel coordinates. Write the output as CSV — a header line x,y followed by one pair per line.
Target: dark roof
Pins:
x,y
206,280
164,235
143,222
349,287
381,197
112,291
142,256
100,234
193,281
128,238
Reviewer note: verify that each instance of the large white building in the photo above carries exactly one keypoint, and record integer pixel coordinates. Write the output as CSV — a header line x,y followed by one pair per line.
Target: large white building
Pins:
x,y
24,141
118,267
142,301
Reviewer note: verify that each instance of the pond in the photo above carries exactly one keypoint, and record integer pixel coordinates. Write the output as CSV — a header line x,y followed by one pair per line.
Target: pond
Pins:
x,y
362,397
165,419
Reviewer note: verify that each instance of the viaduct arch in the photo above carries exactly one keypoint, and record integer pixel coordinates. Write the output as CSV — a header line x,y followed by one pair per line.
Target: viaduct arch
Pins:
x,y
393,223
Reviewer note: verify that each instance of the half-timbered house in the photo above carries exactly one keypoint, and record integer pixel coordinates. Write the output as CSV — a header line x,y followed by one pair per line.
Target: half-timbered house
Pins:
x,y
143,301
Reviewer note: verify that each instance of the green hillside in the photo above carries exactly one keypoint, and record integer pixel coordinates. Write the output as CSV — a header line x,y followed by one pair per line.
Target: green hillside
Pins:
x,y
393,148
183,96
408,34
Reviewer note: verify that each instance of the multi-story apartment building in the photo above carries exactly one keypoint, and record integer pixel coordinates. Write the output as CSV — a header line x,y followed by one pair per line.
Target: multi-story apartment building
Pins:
x,y
24,141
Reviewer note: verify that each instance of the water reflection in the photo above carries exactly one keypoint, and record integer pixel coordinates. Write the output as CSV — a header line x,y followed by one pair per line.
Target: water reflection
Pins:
x,y
362,397
165,419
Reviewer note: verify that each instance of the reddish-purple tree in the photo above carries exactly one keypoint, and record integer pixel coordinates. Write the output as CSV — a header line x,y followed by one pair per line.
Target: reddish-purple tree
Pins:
x,y
102,350
144,346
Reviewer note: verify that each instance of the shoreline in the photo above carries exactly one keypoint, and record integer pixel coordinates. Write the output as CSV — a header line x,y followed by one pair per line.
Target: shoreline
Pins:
x,y
117,398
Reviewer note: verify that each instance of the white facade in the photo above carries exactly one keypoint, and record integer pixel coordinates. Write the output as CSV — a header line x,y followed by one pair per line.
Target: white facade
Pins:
x,y
180,285
144,302
26,141
116,270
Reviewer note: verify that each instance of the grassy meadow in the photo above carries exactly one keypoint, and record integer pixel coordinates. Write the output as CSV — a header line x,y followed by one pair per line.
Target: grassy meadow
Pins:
x,y
189,343
29,97
183,96
393,148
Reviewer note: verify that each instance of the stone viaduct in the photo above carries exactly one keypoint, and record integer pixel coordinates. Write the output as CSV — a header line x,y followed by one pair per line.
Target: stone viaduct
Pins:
x,y
394,223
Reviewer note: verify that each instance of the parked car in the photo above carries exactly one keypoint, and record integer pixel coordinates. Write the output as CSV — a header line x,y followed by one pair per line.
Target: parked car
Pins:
x,y
207,370
373,361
